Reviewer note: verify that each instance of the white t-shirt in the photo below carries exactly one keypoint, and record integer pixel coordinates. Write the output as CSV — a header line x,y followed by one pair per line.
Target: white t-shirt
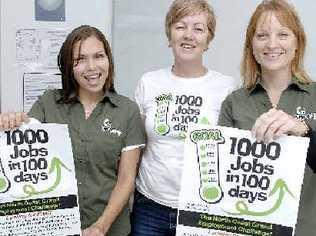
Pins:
x,y
169,104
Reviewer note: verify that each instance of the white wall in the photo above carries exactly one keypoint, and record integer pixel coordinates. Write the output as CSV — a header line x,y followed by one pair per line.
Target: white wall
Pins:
x,y
138,38
19,14
140,43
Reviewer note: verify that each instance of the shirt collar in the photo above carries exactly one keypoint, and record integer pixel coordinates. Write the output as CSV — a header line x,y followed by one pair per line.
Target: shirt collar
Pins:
x,y
112,97
258,86
304,87
294,84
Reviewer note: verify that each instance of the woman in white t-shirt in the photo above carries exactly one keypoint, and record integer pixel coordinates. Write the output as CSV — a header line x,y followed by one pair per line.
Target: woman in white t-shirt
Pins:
x,y
170,100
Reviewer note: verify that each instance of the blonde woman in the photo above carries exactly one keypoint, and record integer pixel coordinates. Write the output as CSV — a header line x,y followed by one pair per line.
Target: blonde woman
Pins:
x,y
170,100
278,97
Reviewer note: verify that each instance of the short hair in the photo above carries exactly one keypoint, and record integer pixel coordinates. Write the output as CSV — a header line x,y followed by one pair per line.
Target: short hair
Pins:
x,y
182,8
287,15
70,87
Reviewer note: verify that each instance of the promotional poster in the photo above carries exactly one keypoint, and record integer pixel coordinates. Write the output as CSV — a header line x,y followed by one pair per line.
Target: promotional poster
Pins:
x,y
38,188
233,185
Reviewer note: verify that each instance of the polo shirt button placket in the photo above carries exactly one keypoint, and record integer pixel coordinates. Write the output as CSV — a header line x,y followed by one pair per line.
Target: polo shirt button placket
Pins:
x,y
81,163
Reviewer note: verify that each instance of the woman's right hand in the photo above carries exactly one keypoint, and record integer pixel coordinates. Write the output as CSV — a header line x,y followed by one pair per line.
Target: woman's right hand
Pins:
x,y
274,123
11,120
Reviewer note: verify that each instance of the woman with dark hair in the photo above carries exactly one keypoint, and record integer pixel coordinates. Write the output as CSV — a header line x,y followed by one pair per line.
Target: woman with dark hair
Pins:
x,y
105,130
66,60
278,97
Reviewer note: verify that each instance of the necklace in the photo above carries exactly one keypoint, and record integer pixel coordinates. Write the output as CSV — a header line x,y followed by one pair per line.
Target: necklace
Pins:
x,y
274,98
88,109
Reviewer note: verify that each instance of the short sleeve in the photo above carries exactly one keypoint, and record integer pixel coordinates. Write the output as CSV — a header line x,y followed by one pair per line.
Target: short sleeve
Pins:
x,y
225,116
38,111
135,133
139,95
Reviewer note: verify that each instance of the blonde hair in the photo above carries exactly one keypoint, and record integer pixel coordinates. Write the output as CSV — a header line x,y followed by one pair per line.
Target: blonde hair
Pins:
x,y
286,14
182,8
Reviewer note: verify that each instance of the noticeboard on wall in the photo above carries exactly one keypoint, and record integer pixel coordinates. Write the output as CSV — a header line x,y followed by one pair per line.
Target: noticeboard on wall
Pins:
x,y
30,39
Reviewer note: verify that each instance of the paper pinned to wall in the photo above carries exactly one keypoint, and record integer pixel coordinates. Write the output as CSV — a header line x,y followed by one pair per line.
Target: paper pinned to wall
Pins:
x,y
34,85
39,47
36,60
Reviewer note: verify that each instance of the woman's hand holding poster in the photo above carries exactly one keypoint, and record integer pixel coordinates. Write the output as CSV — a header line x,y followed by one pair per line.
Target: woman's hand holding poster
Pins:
x,y
233,185
38,190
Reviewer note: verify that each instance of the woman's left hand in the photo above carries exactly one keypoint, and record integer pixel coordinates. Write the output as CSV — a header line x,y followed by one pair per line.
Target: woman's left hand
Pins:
x,y
274,123
93,230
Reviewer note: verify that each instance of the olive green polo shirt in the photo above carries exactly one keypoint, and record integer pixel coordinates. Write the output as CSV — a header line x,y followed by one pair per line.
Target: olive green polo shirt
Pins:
x,y
242,107
97,144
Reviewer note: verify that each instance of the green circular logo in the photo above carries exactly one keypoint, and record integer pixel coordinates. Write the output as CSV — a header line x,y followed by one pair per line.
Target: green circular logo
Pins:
x,y
210,193
3,183
162,128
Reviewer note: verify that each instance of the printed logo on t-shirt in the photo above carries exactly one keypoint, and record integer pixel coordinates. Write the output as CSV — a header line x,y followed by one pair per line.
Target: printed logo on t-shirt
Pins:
x,y
162,102
107,127
187,109
302,114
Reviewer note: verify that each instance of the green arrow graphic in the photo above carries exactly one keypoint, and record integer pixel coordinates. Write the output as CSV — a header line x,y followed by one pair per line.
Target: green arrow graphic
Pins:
x,y
280,186
55,165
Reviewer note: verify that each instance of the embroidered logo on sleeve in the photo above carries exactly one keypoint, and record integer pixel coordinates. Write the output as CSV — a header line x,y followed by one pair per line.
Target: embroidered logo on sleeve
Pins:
x,y
107,127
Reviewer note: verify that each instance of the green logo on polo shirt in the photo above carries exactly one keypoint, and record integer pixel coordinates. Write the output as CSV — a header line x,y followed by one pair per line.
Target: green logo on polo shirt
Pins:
x,y
303,114
107,127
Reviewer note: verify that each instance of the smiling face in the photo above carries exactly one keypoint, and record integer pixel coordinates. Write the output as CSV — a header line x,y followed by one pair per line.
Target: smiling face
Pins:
x,y
274,45
91,66
188,38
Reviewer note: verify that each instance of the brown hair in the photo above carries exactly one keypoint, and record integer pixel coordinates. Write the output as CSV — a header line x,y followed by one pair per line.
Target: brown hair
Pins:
x,y
286,14
182,8
70,86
